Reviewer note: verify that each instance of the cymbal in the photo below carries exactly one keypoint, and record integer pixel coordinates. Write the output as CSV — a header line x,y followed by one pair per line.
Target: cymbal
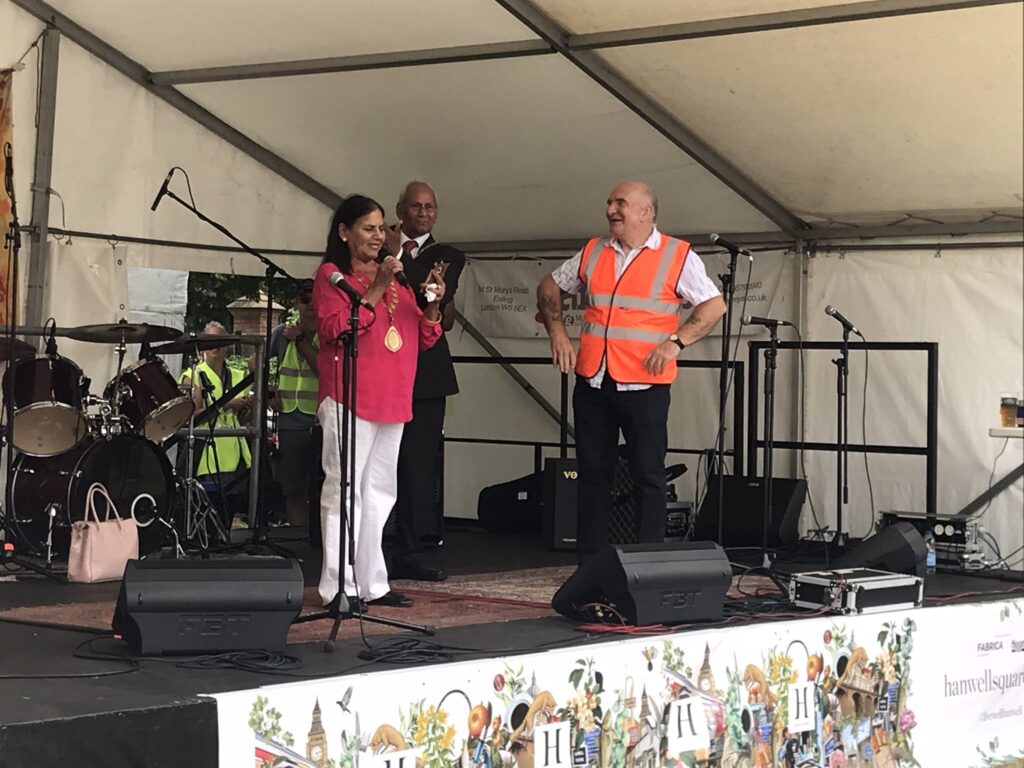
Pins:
x,y
22,350
196,342
131,333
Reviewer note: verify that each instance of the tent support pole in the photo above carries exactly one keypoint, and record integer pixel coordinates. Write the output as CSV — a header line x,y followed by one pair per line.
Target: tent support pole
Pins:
x,y
41,176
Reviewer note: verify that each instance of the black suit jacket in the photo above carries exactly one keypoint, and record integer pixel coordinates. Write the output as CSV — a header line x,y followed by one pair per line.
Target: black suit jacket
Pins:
x,y
435,374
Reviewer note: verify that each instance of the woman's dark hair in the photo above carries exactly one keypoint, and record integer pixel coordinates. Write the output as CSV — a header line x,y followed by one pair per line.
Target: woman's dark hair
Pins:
x,y
352,208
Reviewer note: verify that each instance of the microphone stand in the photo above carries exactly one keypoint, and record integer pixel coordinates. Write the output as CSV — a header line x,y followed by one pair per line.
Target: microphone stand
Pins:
x,y
728,291
261,523
347,457
12,243
770,356
842,364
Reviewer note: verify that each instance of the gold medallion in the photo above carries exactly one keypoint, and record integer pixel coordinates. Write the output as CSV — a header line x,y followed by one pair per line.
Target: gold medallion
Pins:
x,y
392,339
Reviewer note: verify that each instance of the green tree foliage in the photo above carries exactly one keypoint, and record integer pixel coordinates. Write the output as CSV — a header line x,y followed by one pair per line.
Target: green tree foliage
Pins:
x,y
209,295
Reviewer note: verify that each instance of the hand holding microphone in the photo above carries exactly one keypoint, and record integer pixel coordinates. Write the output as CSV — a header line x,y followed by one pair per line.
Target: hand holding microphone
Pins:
x,y
390,268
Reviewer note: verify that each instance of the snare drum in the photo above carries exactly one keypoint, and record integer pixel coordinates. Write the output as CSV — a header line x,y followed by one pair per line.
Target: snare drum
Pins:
x,y
47,404
128,466
151,400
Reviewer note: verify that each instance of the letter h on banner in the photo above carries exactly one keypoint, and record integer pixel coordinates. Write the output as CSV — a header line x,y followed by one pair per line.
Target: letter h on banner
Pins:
x,y
551,745
687,726
802,708
404,759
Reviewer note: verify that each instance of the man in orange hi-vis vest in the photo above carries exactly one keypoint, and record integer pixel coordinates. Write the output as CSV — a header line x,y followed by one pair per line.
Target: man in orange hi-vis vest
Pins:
x,y
636,281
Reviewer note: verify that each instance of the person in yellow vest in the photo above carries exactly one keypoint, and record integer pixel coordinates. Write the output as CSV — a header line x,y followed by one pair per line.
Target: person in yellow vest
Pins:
x,y
295,347
224,459
636,281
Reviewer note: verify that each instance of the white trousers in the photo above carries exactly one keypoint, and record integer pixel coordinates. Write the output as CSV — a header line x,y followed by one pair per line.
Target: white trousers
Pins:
x,y
376,488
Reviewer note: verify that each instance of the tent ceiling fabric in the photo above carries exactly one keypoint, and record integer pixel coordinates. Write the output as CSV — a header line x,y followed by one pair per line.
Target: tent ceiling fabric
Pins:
x,y
888,115
198,33
529,149
585,16
859,122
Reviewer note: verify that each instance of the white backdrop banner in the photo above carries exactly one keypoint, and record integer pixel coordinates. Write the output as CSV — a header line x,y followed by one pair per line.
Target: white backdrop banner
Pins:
x,y
932,687
499,297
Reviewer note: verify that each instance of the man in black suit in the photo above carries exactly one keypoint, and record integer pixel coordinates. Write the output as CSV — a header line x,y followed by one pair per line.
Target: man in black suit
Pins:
x,y
435,380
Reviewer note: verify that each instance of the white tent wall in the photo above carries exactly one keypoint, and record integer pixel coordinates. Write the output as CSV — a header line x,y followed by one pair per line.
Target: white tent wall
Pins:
x,y
970,302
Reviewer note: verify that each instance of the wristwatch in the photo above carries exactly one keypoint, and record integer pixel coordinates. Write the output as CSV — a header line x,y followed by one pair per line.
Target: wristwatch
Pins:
x,y
674,338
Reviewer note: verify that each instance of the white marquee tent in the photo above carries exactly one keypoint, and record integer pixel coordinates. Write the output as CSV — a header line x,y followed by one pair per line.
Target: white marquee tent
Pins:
x,y
875,147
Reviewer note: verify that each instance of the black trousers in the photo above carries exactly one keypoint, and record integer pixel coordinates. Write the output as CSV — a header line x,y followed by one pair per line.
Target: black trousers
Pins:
x,y
417,465
599,416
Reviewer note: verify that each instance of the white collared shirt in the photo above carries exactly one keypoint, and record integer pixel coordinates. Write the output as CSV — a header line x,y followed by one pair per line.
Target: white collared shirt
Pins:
x,y
693,286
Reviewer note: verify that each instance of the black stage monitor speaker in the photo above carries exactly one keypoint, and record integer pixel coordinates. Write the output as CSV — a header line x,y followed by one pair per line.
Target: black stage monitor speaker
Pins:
x,y
207,606
899,548
743,511
650,583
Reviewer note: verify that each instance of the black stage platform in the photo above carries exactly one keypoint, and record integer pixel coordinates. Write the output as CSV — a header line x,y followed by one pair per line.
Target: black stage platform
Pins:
x,y
56,709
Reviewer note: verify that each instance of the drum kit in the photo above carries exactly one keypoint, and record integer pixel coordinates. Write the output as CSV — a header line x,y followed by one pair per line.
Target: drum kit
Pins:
x,y
67,438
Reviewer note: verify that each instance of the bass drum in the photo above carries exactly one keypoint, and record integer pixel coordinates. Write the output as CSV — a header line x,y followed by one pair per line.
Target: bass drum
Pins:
x,y
129,466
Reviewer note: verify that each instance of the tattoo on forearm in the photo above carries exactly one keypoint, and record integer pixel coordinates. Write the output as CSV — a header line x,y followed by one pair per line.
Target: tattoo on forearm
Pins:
x,y
698,324
550,309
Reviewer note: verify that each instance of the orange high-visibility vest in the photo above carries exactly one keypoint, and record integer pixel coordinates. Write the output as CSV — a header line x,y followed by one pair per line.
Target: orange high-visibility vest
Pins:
x,y
625,318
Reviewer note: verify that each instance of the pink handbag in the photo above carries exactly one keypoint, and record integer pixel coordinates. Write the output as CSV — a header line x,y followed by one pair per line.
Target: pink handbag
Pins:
x,y
101,548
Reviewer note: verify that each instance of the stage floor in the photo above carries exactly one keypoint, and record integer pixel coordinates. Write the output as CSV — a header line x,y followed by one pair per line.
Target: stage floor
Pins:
x,y
54,705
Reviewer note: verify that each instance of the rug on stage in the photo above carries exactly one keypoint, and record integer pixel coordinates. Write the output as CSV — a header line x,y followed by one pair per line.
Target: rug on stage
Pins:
x,y
460,601
482,598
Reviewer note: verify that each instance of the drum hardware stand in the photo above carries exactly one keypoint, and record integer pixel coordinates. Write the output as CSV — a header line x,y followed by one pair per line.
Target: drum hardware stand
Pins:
x,y
347,458
195,521
12,243
262,522
51,515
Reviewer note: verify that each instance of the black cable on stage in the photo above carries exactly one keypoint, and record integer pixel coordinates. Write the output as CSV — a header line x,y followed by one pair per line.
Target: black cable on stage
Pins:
x,y
78,653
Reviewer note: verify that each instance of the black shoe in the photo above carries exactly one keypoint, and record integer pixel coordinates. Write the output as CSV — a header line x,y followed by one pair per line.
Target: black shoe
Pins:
x,y
411,569
394,600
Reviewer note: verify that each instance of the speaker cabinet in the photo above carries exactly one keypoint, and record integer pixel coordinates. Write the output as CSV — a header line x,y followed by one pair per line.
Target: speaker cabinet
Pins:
x,y
559,520
743,511
899,548
650,583
207,606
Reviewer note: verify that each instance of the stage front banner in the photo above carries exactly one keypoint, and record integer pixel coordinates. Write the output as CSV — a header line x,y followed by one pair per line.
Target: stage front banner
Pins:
x,y
499,297
933,687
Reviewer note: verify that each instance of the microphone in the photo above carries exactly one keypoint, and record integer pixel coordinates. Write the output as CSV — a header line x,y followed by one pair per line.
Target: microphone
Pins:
x,y
833,312
731,247
205,384
401,277
51,343
163,190
765,321
338,281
